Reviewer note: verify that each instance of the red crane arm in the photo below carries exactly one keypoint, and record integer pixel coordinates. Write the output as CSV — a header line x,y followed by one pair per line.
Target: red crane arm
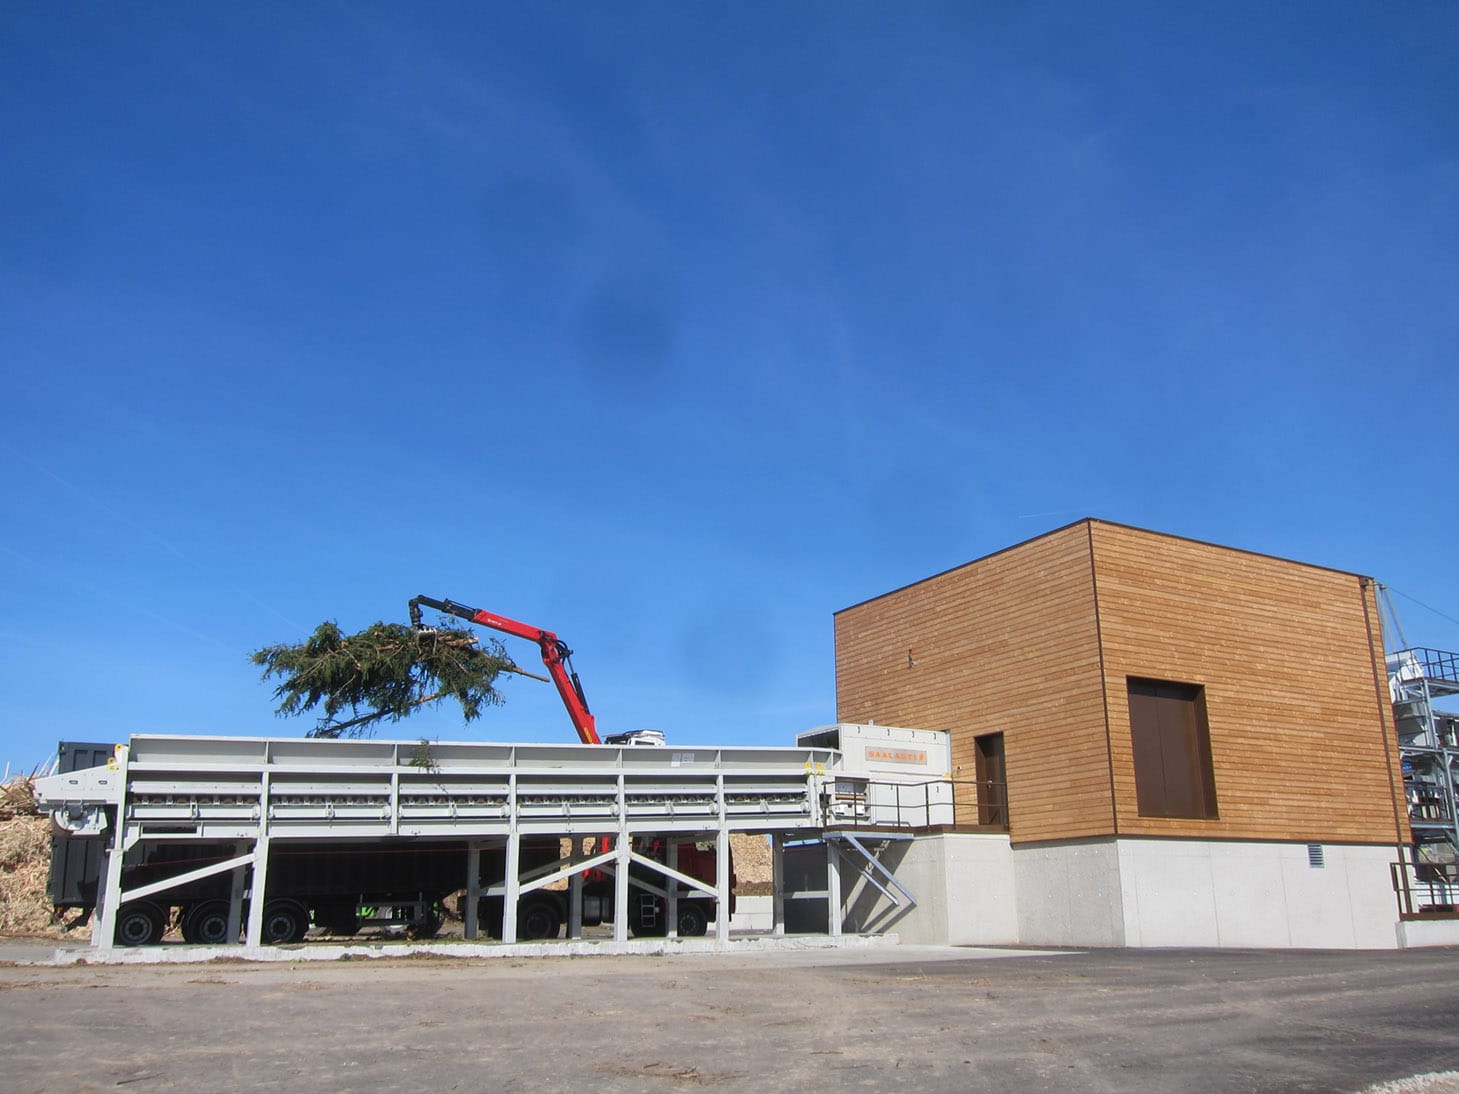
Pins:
x,y
555,655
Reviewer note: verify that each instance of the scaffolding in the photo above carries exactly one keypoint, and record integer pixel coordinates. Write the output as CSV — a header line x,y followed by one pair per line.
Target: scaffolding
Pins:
x,y
1428,740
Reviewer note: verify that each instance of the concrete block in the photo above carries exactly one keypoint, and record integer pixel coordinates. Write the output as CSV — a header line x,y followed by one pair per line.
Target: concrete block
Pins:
x,y
1414,933
1068,894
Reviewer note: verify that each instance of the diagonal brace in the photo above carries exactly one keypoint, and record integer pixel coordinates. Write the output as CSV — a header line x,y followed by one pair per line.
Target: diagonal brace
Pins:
x,y
567,871
669,871
879,868
182,879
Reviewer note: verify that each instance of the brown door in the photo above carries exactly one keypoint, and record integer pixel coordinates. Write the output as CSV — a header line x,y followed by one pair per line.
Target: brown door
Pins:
x,y
992,781
1172,750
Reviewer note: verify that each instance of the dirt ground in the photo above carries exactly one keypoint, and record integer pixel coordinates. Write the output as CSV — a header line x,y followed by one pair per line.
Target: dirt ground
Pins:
x,y
900,1018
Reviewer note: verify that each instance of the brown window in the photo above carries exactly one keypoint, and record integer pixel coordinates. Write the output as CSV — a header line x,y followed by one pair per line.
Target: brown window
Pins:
x,y
1172,750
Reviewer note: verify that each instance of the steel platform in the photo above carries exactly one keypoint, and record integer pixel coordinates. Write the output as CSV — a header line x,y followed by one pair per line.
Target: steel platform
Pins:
x,y
255,790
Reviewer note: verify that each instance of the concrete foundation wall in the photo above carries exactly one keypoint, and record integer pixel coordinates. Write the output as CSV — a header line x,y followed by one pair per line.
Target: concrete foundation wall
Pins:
x,y
1166,892
1068,894
1428,932
981,896
1214,893
974,889
962,882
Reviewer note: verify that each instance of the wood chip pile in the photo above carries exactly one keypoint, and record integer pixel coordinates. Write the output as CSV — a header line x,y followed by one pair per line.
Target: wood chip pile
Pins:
x,y
753,866
25,863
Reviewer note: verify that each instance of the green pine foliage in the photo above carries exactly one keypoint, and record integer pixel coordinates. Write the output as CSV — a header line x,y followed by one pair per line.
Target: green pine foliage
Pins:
x,y
383,673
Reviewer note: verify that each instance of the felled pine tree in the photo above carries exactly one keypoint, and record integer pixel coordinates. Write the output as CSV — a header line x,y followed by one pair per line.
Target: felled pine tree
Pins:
x,y
383,673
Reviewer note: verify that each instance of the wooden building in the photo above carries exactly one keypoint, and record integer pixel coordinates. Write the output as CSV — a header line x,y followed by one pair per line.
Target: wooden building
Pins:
x,y
1169,731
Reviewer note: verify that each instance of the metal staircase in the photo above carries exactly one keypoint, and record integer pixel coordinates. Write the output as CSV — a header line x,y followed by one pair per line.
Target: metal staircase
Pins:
x,y
1428,740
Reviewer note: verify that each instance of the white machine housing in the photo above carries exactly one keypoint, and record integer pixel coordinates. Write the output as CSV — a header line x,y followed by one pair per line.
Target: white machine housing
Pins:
x,y
890,775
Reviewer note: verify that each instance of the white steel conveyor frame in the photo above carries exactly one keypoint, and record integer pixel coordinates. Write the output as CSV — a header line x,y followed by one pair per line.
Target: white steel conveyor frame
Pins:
x,y
256,790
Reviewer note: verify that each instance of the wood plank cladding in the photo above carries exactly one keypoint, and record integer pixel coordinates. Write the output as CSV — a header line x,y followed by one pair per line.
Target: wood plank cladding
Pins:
x,y
1300,747
1007,644
1039,641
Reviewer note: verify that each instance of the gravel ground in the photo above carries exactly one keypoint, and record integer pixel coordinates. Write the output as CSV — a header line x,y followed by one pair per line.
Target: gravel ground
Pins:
x,y
902,1018
1439,1082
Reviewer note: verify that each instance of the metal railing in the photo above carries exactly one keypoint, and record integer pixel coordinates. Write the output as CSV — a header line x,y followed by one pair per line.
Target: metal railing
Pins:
x,y
871,803
1425,889
1435,664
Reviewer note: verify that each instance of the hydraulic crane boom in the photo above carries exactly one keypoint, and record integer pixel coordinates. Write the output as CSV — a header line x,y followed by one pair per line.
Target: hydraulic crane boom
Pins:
x,y
555,655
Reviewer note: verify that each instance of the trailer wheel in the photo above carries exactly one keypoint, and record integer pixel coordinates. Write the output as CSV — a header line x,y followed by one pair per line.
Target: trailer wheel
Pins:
x,y
692,920
537,921
140,923
284,921
206,924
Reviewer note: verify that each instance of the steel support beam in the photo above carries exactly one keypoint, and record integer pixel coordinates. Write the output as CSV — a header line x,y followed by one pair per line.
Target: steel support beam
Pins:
x,y
111,893
512,891
671,898
777,882
833,889
237,887
722,885
257,888
623,855
575,893
472,926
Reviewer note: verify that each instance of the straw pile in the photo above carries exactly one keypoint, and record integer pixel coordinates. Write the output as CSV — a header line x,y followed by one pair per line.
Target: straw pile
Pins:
x,y
25,863
17,799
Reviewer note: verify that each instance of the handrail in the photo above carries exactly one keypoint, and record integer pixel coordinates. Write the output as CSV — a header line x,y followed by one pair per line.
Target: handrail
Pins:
x,y
874,803
1425,889
1435,664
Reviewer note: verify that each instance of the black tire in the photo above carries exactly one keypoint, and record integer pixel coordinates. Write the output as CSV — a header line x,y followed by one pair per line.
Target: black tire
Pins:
x,y
538,920
285,920
140,923
693,919
206,924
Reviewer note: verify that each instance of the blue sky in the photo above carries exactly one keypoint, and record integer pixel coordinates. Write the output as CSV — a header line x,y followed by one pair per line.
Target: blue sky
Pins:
x,y
675,328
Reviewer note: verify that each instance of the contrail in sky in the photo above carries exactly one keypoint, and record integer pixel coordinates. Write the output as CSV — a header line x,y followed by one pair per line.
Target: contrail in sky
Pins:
x,y
144,533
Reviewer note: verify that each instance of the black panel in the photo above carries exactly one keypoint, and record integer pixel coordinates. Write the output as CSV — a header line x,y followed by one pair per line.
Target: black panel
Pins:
x,y
76,863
